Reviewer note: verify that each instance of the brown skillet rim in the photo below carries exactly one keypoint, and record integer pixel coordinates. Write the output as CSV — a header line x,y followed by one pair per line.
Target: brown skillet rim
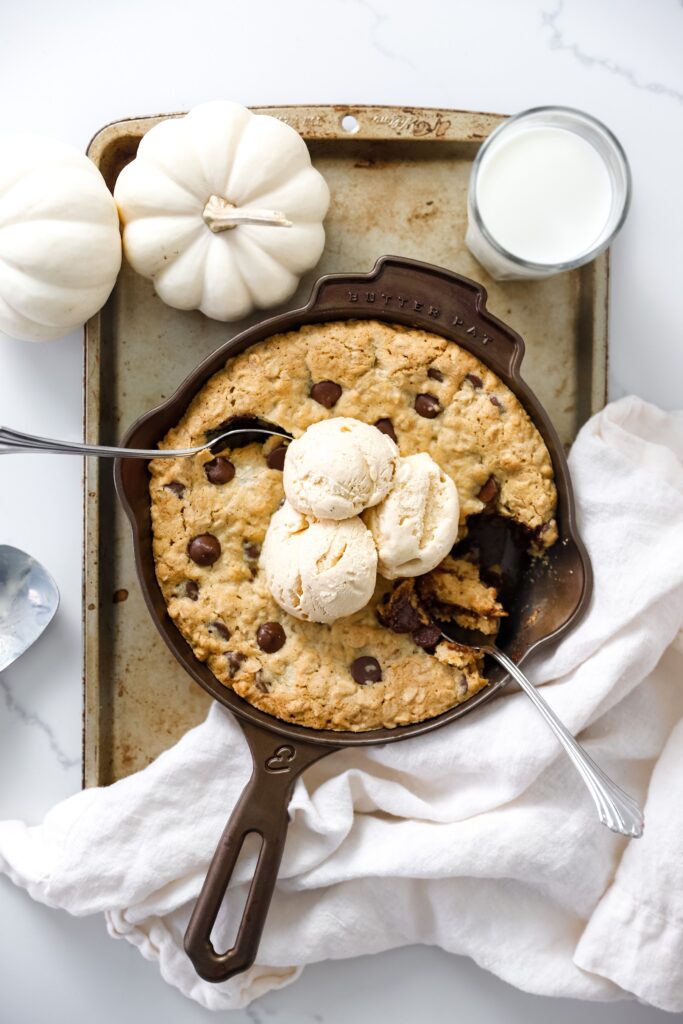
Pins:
x,y
167,414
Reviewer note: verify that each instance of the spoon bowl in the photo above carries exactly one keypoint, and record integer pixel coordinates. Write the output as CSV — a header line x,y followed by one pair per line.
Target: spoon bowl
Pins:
x,y
28,601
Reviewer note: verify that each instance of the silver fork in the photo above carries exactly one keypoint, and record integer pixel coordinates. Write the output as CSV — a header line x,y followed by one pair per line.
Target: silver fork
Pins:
x,y
616,809
14,442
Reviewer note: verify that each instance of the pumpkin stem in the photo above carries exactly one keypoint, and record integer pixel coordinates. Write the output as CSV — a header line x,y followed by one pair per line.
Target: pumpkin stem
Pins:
x,y
221,215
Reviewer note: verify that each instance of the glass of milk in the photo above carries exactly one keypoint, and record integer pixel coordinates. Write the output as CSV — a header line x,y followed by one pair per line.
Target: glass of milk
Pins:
x,y
549,190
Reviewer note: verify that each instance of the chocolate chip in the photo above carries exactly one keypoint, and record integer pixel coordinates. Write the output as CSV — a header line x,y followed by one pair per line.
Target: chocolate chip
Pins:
x,y
428,406
270,637
489,490
427,636
494,401
234,660
401,615
474,380
219,470
188,589
434,373
204,549
276,458
385,426
261,683
176,487
326,392
120,595
366,670
219,627
252,550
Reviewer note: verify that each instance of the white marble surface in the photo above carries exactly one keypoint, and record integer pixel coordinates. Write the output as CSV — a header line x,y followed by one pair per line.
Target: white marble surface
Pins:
x,y
68,68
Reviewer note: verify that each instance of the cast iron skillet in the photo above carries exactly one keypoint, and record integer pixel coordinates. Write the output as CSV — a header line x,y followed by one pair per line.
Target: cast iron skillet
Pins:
x,y
550,599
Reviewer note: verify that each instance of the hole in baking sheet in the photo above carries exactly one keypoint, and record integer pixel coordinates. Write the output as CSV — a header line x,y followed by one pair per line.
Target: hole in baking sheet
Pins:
x,y
224,931
349,123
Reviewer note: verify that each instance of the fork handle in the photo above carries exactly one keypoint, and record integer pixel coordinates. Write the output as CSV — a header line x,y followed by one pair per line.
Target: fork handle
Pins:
x,y
616,809
13,442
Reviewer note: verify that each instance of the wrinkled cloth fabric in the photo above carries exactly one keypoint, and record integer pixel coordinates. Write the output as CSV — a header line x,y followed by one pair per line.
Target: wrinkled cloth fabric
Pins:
x,y
479,837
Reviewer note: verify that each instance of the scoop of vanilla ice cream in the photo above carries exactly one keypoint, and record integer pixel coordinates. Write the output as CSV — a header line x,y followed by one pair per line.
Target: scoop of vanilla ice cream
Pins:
x,y
338,467
417,523
318,570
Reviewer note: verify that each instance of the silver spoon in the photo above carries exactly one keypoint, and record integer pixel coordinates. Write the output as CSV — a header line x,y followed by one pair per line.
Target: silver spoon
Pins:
x,y
13,442
28,601
616,809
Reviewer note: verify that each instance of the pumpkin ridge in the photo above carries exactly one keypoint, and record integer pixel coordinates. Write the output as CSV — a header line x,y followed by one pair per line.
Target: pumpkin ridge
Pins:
x,y
45,272
167,258
274,199
247,243
179,184
310,237
65,175
234,135
77,289
197,250
45,279
24,322
22,219
29,172
42,322
241,131
207,302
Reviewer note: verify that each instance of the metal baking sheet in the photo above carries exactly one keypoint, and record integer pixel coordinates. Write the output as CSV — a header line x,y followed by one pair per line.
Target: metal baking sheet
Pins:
x,y
398,179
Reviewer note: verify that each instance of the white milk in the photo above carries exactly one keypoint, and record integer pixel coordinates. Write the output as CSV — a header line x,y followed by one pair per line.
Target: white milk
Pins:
x,y
544,194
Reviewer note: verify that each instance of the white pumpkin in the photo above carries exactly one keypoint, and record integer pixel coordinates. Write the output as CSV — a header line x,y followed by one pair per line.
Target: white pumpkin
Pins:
x,y
222,210
60,244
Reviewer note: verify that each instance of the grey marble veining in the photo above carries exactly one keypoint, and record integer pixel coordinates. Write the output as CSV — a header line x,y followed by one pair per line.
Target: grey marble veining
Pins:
x,y
378,21
552,20
30,718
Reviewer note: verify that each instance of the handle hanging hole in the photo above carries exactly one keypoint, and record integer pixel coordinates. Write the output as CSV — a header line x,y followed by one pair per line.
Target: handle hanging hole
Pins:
x,y
226,927
350,124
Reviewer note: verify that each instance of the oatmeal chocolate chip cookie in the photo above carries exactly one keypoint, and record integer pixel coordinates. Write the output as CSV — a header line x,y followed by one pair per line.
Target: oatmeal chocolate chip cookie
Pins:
x,y
454,591
209,520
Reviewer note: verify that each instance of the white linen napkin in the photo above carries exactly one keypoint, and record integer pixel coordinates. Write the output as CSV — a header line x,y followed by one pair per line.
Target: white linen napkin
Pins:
x,y
478,838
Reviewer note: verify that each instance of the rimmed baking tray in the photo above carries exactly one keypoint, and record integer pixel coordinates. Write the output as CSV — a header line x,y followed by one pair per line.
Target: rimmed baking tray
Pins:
x,y
398,178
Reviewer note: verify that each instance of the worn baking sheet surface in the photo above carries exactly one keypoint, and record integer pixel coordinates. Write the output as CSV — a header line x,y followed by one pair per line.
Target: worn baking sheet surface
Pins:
x,y
399,187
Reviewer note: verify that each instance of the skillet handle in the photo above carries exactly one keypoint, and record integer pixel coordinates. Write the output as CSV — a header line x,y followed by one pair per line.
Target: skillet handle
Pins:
x,y
418,294
262,808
